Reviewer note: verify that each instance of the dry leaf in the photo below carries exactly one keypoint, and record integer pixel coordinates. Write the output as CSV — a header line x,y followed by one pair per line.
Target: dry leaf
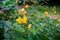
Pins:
x,y
53,16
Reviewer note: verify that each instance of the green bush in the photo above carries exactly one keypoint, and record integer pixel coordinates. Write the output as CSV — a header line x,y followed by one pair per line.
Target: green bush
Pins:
x,y
27,22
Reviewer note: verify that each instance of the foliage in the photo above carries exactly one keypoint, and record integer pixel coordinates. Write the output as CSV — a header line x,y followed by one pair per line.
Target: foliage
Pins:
x,y
28,22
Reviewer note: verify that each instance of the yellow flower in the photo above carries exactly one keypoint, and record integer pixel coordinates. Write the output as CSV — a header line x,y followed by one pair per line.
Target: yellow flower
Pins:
x,y
56,25
29,26
19,20
46,6
45,12
22,11
16,1
26,6
54,11
24,19
58,20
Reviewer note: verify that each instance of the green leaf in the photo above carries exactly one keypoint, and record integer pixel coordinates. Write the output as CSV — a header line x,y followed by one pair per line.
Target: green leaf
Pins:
x,y
29,37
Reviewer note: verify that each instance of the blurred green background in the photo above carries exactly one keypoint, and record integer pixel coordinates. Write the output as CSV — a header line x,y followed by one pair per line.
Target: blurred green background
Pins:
x,y
42,27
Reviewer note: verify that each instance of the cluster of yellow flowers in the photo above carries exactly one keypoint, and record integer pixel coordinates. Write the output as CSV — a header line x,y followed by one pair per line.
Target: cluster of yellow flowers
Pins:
x,y
23,20
54,9
22,11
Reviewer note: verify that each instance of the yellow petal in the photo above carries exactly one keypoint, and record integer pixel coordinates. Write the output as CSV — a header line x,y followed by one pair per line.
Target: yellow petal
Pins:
x,y
16,1
22,11
29,26
24,19
54,11
57,25
45,12
19,12
58,20
19,20
26,6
